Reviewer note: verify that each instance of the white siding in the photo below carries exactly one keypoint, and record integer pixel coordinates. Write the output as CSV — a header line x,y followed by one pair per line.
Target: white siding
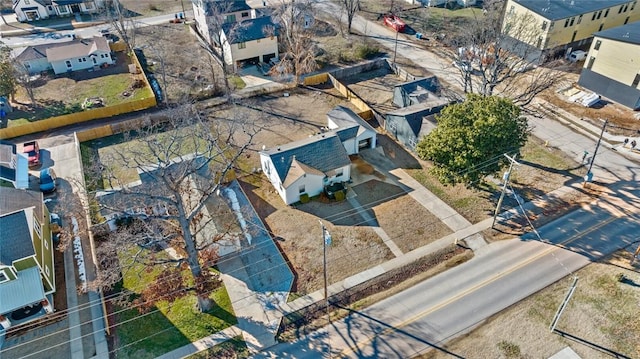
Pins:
x,y
37,65
312,184
81,63
21,15
254,48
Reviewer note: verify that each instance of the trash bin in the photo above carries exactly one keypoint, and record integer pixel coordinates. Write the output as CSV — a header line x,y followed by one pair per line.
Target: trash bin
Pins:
x,y
418,35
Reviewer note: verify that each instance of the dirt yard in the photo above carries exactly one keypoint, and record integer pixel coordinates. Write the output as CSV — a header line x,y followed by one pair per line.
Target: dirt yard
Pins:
x,y
188,68
602,311
155,7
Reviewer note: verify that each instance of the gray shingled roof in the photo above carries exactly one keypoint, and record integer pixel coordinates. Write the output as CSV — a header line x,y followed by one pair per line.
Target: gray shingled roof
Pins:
x,y
323,152
345,118
15,239
84,47
250,29
12,200
218,7
430,84
627,33
562,9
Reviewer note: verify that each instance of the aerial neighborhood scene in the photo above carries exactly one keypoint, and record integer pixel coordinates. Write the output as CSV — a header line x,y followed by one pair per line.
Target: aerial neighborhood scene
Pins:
x,y
319,179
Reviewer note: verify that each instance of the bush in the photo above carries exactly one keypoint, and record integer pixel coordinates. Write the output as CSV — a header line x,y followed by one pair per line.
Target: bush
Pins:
x,y
509,349
367,51
340,195
304,198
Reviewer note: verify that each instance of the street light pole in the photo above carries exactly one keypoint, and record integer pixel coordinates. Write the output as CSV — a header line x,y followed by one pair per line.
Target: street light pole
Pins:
x,y
326,241
588,176
504,188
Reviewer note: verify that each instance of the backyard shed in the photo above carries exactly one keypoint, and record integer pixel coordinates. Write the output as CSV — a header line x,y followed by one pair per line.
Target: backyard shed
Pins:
x,y
415,92
408,125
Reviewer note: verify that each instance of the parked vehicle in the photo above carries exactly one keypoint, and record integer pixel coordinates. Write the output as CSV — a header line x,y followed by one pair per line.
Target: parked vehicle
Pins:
x,y
577,55
394,22
32,150
48,180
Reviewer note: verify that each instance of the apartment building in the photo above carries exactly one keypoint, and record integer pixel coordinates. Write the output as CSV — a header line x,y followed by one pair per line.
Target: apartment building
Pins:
x,y
612,67
556,27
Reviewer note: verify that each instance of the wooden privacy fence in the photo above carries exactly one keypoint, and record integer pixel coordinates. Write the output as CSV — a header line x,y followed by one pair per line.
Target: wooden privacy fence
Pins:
x,y
88,115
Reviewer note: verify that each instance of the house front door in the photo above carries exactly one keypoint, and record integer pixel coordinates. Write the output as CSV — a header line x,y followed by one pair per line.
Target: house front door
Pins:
x,y
75,8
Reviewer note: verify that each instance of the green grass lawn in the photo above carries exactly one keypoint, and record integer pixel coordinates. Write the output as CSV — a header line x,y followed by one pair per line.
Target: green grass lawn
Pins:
x,y
169,325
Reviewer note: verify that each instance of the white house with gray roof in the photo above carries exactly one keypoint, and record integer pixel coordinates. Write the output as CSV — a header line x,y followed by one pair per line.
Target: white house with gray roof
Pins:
x,y
309,165
63,57
33,10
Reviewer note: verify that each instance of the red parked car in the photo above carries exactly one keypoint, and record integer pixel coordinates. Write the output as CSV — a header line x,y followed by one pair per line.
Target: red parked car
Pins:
x,y
32,150
394,22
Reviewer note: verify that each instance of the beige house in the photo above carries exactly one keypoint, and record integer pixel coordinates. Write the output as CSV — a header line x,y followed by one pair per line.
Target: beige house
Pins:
x,y
249,42
211,14
555,27
612,67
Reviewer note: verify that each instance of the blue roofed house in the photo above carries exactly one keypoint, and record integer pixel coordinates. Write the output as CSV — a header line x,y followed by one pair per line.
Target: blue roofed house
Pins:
x,y
249,41
307,166
27,278
14,166
33,10
418,102
612,67
244,37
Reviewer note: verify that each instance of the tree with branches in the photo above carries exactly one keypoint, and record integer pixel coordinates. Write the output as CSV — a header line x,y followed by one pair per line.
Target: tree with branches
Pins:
x,y
471,138
293,20
121,22
8,82
167,218
350,7
489,58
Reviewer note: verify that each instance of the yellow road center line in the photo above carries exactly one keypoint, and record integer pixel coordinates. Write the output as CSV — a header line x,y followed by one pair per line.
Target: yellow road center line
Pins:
x,y
443,304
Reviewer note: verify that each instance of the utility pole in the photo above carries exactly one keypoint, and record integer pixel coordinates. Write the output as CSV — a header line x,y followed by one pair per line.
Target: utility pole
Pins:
x,y
326,241
589,175
395,49
504,187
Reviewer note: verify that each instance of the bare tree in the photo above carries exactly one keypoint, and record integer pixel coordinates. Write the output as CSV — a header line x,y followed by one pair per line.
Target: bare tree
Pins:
x,y
489,58
294,20
26,80
180,172
121,21
350,7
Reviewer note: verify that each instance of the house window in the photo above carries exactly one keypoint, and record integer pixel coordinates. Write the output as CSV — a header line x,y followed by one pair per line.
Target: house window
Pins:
x,y
626,6
594,16
599,15
245,14
258,41
512,9
566,23
579,19
46,270
38,228
539,43
597,45
68,63
26,2
339,172
230,18
46,244
606,13
572,20
301,189
3,277
551,25
620,9
635,83
590,63
626,20
600,28
79,60
242,45
573,37
633,5
544,25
